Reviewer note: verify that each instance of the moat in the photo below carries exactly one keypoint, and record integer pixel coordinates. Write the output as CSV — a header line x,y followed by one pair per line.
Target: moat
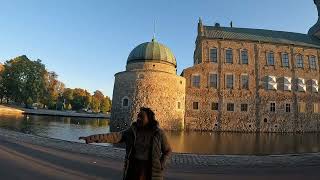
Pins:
x,y
70,129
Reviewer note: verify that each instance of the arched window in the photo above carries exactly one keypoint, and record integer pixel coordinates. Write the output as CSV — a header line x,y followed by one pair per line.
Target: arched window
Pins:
x,y
125,102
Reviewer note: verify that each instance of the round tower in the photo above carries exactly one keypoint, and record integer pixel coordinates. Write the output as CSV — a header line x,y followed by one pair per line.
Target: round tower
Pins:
x,y
150,80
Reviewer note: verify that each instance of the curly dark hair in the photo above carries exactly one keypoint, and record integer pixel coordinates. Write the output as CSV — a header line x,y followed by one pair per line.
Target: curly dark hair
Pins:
x,y
153,123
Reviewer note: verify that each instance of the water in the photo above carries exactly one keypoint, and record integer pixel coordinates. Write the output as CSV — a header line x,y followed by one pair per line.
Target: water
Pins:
x,y
70,129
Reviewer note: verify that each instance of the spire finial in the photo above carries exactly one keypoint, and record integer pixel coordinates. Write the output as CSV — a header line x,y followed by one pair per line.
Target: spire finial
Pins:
x,y
154,31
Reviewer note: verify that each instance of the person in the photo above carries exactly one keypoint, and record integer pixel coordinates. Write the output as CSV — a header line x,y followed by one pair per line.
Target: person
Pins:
x,y
147,147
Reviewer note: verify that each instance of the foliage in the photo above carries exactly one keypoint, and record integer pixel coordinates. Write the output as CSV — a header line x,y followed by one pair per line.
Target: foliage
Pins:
x,y
106,105
23,79
27,82
95,104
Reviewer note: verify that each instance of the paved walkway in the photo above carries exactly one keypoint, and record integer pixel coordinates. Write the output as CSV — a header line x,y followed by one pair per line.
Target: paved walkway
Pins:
x,y
25,156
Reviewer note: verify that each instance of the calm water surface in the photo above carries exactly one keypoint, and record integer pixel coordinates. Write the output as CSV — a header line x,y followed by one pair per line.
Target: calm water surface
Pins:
x,y
70,129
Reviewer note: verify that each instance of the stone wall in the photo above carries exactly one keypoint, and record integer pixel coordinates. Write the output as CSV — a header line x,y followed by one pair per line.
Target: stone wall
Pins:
x,y
258,117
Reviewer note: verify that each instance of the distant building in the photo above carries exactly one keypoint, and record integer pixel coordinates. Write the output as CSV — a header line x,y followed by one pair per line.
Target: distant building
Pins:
x,y
246,80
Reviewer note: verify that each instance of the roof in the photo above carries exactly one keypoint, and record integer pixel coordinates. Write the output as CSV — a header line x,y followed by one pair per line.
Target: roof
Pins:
x,y
152,51
261,35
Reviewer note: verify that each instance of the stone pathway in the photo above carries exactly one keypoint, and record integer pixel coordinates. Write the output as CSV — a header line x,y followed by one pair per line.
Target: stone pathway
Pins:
x,y
177,159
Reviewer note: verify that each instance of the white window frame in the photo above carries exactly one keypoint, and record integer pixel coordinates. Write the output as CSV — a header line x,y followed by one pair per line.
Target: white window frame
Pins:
x,y
209,85
226,82
210,60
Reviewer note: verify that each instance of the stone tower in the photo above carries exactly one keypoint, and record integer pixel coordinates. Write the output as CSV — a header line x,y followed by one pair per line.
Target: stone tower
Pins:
x,y
315,29
150,80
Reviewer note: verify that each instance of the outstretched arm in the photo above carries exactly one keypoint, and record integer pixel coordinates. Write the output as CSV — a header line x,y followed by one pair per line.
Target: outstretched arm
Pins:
x,y
166,150
114,137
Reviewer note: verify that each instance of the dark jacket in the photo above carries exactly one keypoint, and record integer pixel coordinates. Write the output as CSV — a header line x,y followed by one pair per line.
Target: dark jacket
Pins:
x,y
160,151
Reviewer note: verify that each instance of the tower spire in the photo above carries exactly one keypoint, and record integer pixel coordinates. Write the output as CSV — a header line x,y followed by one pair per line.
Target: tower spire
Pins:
x,y
154,31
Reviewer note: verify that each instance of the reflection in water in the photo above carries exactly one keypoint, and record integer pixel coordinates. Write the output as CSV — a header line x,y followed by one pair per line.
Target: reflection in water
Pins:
x,y
70,129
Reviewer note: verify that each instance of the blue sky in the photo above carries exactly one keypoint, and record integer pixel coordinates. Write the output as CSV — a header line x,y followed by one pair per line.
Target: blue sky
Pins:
x,y
87,41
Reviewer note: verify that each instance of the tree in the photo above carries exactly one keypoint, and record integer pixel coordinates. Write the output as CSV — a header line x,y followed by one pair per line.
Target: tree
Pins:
x,y
95,104
54,90
2,87
99,95
23,79
106,105
81,99
67,96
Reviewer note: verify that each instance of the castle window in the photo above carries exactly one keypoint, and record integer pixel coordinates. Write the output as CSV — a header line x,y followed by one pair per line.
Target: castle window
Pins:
x,y
285,60
230,107
244,81
301,85
272,107
244,57
288,108
314,85
270,58
125,102
215,106
301,107
316,108
195,105
312,62
229,56
196,81
214,55
229,81
271,83
299,61
244,107
213,81
287,83
179,105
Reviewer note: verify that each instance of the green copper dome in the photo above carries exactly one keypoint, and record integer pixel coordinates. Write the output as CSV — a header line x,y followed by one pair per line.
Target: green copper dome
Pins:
x,y
152,51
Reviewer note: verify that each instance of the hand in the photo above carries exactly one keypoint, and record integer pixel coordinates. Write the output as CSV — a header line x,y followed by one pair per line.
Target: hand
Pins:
x,y
87,139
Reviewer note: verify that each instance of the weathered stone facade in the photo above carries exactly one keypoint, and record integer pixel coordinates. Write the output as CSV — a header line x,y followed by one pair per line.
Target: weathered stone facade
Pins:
x,y
153,84
258,117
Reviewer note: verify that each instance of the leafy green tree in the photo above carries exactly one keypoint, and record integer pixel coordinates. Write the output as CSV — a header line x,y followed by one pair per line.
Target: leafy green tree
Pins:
x,y
24,79
67,96
95,104
81,99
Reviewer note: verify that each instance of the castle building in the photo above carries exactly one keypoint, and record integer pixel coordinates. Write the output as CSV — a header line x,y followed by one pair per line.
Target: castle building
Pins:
x,y
245,80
